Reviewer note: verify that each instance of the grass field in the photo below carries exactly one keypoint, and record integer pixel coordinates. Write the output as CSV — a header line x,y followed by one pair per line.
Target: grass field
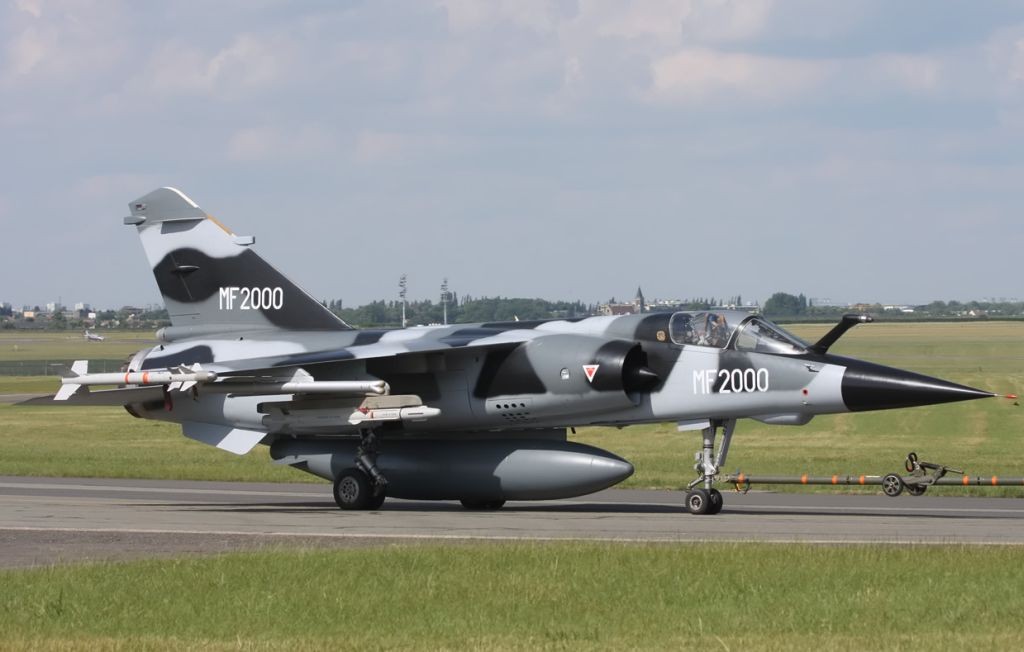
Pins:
x,y
70,345
548,596
552,595
985,436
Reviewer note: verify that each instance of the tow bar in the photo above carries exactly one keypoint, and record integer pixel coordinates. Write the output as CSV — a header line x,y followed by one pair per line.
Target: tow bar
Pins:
x,y
919,476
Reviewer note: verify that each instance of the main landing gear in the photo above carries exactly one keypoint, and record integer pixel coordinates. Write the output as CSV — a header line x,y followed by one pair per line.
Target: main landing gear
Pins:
x,y
362,486
706,499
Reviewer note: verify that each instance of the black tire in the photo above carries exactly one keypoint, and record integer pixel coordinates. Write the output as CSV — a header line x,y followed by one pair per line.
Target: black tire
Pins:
x,y
482,505
892,485
376,500
910,462
916,489
716,501
698,501
353,490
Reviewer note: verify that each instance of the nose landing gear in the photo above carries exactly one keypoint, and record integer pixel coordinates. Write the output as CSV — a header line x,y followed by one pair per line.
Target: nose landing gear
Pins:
x,y
706,499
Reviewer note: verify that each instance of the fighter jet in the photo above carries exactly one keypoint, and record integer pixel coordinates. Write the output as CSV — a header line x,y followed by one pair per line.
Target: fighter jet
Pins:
x,y
472,412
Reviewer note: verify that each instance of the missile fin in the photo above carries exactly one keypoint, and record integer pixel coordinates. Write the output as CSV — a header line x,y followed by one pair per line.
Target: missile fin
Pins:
x,y
66,391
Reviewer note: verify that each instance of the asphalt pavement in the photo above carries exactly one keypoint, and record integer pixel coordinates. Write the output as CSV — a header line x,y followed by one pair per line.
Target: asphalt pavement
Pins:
x,y
47,520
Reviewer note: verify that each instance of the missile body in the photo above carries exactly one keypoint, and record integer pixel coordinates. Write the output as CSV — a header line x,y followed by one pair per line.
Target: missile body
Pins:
x,y
164,377
185,378
339,387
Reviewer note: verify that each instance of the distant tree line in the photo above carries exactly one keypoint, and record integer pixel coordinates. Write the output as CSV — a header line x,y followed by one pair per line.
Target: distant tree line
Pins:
x,y
388,314
780,306
789,307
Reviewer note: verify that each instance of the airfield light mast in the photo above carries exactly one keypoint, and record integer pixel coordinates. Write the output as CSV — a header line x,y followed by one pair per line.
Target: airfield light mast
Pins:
x,y
445,298
401,293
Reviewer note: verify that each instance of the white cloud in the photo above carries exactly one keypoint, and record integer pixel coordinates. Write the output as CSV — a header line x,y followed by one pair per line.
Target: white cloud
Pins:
x,y
116,187
717,21
657,19
373,146
696,75
31,7
258,144
470,15
27,49
251,62
907,72
1015,67
69,40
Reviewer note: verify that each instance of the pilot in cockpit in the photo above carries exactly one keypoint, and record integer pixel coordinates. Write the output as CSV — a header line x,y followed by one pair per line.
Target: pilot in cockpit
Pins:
x,y
717,331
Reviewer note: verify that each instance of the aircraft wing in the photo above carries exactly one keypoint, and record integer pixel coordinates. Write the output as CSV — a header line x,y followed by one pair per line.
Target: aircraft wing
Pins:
x,y
461,340
290,373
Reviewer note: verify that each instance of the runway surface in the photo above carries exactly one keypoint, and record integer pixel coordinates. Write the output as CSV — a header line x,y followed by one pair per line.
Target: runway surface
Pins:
x,y
43,520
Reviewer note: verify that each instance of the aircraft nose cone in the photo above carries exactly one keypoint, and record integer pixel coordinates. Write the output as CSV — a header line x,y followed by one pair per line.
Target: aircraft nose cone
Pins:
x,y
868,386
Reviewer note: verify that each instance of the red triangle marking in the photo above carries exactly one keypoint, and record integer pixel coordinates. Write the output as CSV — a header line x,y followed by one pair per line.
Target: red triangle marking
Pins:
x,y
590,370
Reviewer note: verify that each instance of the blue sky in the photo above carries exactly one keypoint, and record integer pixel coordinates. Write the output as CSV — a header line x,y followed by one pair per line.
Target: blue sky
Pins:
x,y
562,149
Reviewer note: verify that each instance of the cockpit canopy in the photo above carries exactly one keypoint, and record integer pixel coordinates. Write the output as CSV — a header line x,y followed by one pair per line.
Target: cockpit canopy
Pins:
x,y
761,336
729,328
712,329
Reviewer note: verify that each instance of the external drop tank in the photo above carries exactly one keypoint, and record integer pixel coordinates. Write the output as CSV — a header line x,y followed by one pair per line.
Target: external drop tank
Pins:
x,y
482,469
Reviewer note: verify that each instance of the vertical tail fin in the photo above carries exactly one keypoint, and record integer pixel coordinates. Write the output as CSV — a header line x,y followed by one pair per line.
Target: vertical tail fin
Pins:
x,y
210,279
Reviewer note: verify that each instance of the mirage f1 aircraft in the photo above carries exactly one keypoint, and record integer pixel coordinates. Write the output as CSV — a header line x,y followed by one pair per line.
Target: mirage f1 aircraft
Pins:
x,y
470,412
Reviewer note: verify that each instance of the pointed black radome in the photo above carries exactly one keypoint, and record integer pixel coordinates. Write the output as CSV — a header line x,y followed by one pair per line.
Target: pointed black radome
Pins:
x,y
868,386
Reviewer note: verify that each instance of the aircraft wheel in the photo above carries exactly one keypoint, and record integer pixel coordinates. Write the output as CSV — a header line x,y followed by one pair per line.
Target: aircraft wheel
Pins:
x,y
376,500
892,485
352,490
482,505
698,501
716,501
916,489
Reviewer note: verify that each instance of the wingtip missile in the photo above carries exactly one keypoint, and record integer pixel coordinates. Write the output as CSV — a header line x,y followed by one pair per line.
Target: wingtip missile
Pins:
x,y
183,376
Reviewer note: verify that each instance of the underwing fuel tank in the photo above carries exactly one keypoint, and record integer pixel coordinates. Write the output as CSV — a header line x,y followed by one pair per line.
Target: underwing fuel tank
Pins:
x,y
494,469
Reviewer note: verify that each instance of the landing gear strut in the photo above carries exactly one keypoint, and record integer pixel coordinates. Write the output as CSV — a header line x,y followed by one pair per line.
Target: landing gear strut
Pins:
x,y
705,499
362,487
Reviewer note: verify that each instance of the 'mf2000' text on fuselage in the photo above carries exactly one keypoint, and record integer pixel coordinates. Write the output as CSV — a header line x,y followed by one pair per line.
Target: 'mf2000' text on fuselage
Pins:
x,y
729,381
243,298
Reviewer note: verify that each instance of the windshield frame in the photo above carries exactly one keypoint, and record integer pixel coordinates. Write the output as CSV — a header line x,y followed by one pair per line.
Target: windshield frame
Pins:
x,y
768,337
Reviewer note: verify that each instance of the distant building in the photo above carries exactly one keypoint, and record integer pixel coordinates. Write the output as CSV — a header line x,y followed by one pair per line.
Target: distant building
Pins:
x,y
615,309
131,311
637,306
904,309
666,303
823,302
752,308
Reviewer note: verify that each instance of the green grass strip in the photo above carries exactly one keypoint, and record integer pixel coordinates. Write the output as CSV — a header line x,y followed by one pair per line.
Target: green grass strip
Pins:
x,y
524,596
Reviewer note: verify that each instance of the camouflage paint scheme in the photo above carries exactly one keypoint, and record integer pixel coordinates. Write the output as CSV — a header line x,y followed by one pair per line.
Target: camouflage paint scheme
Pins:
x,y
235,315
